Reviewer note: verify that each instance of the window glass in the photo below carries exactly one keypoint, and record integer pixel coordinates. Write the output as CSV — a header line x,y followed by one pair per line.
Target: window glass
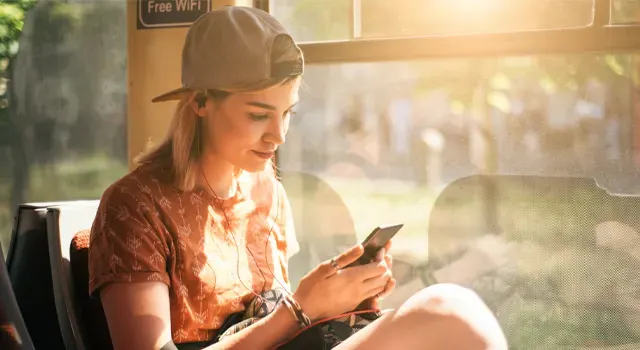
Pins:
x,y
625,11
401,142
314,20
317,20
63,115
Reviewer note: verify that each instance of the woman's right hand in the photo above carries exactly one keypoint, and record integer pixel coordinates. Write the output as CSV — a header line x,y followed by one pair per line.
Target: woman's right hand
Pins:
x,y
327,291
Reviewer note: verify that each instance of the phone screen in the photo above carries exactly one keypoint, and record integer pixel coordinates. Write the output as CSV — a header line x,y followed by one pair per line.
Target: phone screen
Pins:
x,y
375,241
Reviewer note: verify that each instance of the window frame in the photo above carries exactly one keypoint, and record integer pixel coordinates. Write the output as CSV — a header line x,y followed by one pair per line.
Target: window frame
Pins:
x,y
601,36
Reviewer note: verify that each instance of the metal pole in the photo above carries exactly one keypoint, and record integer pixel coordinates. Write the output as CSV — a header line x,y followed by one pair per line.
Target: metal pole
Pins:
x,y
356,19
601,13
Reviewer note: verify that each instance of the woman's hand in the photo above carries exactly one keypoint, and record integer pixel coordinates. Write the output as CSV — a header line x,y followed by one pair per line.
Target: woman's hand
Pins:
x,y
327,291
374,302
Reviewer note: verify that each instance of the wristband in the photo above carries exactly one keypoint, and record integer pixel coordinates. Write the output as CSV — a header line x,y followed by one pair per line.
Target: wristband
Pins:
x,y
296,309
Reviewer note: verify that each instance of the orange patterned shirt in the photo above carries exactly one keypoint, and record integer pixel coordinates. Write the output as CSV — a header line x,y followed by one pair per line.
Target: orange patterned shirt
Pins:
x,y
148,230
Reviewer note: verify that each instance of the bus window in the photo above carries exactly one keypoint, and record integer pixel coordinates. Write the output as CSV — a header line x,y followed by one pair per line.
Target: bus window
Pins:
x,y
317,20
625,11
63,134
392,137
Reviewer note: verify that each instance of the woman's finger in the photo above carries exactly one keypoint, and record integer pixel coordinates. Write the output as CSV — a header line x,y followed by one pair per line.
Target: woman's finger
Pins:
x,y
332,266
380,254
389,260
379,281
387,246
362,273
374,292
388,288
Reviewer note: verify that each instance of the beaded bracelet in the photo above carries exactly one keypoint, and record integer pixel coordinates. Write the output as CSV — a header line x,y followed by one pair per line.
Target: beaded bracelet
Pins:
x,y
296,309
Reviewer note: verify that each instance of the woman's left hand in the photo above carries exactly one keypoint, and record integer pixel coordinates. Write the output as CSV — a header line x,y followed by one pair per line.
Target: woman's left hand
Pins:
x,y
374,303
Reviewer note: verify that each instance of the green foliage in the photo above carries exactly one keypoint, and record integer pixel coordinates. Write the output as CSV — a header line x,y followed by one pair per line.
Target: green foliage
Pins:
x,y
12,15
71,75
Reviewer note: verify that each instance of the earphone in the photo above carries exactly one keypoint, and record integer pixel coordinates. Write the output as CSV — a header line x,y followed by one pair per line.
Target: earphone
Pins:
x,y
201,101
264,278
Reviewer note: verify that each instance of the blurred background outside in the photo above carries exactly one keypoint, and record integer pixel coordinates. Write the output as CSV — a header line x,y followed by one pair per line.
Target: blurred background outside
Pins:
x,y
376,143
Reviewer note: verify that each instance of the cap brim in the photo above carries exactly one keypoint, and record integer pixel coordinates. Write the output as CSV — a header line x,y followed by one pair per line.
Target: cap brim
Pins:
x,y
172,95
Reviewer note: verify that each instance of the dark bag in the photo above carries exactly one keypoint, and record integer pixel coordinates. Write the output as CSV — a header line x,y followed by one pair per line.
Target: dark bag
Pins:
x,y
321,335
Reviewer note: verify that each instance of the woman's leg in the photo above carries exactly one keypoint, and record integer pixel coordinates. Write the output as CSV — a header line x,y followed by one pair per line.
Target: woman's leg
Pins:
x,y
439,317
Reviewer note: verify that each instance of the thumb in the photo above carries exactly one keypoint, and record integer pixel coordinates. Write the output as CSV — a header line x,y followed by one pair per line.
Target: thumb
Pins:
x,y
380,255
347,257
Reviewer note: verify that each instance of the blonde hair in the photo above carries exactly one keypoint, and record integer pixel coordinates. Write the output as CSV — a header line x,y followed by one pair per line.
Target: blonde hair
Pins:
x,y
183,146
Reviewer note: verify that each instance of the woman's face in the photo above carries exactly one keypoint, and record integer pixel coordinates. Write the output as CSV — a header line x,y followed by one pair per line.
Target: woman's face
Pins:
x,y
245,129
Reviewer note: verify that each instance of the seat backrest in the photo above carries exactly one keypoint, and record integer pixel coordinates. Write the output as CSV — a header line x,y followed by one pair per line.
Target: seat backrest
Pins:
x,y
63,221
552,253
513,203
30,274
312,200
97,329
13,331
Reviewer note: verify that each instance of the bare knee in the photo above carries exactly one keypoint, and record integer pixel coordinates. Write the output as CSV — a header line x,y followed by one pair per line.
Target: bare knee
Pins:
x,y
459,313
444,297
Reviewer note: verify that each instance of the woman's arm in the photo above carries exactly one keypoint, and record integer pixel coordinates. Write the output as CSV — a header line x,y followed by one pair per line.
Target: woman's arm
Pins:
x,y
137,314
139,318
270,331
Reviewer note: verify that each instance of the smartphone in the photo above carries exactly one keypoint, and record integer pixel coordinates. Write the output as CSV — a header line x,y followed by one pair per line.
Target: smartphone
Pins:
x,y
376,240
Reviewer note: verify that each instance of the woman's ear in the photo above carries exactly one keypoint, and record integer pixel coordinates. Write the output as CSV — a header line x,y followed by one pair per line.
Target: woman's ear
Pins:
x,y
199,104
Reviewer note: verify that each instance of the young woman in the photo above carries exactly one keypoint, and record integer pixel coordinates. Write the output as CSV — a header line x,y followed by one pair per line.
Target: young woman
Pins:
x,y
202,226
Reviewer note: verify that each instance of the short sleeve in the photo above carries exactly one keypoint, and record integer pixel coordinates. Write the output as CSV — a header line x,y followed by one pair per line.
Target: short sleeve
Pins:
x,y
288,224
127,243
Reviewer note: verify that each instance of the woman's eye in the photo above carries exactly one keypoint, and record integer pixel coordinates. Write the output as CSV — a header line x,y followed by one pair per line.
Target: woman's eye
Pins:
x,y
255,116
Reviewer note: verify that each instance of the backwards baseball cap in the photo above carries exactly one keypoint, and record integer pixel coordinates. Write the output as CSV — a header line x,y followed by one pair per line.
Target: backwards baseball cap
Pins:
x,y
231,46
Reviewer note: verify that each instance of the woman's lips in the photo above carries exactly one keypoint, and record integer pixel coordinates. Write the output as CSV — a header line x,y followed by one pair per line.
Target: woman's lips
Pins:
x,y
264,155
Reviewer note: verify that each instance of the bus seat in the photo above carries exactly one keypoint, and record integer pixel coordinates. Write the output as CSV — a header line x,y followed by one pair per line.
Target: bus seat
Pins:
x,y
13,331
30,274
551,258
312,201
97,329
63,221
